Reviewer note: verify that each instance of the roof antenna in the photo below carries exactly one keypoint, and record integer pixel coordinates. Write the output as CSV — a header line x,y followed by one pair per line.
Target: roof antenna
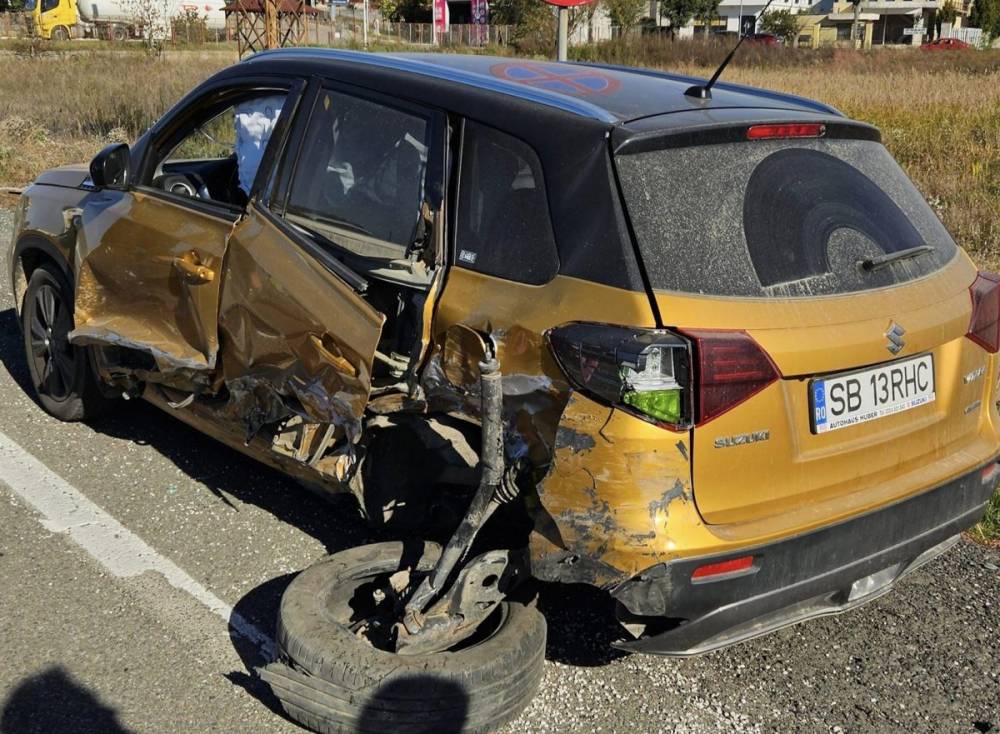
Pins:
x,y
705,92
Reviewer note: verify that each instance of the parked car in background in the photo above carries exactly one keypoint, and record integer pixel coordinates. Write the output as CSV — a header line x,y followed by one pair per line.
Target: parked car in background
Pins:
x,y
946,44
764,39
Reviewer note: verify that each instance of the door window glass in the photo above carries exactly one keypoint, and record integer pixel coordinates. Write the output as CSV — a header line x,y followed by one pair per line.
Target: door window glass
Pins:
x,y
361,174
218,158
504,227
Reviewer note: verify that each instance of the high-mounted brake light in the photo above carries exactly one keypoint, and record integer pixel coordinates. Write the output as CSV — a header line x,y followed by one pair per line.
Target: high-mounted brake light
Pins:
x,y
730,367
723,569
792,130
984,327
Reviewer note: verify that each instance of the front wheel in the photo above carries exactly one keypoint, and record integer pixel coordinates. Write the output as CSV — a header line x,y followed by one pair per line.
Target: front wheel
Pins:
x,y
60,33
331,679
60,372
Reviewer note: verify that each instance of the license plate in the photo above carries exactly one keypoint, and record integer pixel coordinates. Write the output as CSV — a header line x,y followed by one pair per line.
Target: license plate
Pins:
x,y
845,400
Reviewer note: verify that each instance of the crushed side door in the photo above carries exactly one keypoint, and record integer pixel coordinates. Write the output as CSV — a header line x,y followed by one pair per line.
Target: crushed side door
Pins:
x,y
297,345
147,285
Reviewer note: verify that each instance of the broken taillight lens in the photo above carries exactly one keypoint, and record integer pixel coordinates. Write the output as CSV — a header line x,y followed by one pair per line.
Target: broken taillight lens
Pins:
x,y
642,371
651,372
984,327
730,367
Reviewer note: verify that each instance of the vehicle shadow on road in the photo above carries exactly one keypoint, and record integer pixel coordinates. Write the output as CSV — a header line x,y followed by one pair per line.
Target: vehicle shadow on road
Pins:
x,y
581,624
12,351
53,701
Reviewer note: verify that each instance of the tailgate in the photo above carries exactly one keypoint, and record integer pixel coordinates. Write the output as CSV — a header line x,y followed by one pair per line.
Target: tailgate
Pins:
x,y
801,470
857,385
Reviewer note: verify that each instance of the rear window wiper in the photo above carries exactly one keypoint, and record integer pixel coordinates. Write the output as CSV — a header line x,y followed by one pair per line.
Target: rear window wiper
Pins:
x,y
876,263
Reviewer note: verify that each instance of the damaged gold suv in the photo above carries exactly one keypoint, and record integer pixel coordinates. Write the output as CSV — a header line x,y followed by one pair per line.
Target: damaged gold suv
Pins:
x,y
710,352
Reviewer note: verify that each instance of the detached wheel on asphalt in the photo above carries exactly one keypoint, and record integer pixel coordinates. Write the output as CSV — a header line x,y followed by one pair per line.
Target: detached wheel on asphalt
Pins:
x,y
60,372
333,680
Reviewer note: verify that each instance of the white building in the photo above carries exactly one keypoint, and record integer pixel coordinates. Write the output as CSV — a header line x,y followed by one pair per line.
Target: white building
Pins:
x,y
733,11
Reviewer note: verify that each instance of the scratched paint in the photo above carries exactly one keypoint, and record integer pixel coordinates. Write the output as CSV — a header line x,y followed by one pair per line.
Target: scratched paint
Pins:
x,y
611,496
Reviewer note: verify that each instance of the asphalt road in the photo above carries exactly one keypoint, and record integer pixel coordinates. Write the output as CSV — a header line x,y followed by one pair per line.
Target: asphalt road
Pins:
x,y
92,643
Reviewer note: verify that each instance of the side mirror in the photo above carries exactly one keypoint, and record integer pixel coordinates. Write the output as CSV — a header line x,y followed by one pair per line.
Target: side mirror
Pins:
x,y
110,168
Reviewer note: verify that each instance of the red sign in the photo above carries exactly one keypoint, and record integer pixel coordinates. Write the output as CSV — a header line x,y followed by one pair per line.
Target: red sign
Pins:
x,y
440,8
569,3
578,81
480,21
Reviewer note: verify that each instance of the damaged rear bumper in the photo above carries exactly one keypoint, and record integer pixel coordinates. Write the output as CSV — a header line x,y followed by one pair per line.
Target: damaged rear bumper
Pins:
x,y
823,572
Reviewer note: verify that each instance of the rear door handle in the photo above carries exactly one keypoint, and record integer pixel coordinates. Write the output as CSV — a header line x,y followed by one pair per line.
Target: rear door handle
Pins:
x,y
190,267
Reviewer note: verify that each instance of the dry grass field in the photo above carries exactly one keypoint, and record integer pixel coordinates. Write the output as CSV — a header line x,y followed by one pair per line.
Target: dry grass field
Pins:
x,y
939,113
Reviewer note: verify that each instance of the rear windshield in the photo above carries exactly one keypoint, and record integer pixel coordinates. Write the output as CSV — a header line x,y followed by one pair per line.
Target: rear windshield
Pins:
x,y
779,218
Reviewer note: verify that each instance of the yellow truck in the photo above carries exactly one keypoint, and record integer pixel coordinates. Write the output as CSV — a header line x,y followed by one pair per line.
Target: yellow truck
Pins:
x,y
61,20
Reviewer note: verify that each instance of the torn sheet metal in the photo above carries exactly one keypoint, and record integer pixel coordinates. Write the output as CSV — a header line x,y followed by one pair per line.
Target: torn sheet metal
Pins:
x,y
516,317
296,339
614,484
147,279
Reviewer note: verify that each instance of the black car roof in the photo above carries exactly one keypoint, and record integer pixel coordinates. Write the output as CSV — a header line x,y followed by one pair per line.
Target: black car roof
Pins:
x,y
608,94
572,115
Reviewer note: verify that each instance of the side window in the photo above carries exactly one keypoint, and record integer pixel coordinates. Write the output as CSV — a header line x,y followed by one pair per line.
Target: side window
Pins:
x,y
504,228
213,139
361,175
48,5
218,154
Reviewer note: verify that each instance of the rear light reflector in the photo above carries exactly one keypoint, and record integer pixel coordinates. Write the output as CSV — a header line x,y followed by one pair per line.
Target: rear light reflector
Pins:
x,y
726,569
989,473
730,367
793,130
984,327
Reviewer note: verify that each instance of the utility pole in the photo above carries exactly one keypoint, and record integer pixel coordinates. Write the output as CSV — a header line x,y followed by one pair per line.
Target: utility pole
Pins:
x,y
366,23
563,32
855,27
270,24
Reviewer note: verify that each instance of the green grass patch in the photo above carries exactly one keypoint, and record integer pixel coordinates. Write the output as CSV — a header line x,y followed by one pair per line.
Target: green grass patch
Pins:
x,y
987,532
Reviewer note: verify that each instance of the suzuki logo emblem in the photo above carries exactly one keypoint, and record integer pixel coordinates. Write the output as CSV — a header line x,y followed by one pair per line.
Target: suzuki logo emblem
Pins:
x,y
895,336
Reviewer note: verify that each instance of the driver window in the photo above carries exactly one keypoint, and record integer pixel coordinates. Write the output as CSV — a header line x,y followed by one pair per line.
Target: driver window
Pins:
x,y
217,159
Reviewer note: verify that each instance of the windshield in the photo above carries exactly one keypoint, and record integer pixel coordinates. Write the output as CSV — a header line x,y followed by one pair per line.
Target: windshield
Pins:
x,y
779,218
29,5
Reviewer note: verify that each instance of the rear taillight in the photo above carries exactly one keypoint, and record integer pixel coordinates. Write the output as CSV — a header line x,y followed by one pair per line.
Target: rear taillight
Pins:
x,y
674,379
730,367
984,327
643,371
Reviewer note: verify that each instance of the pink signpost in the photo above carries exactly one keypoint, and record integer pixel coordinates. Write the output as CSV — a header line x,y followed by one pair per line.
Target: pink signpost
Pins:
x,y
480,22
564,6
440,8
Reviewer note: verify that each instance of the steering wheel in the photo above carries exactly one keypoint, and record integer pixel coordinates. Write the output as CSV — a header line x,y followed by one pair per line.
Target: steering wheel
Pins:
x,y
183,184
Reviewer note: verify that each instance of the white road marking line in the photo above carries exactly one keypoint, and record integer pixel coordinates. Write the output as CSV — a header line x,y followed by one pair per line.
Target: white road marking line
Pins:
x,y
65,509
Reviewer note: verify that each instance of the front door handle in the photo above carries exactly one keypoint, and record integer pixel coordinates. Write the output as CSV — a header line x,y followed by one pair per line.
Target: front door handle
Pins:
x,y
191,269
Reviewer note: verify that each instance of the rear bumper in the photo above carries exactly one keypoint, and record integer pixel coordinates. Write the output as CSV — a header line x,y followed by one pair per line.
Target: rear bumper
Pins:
x,y
802,577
